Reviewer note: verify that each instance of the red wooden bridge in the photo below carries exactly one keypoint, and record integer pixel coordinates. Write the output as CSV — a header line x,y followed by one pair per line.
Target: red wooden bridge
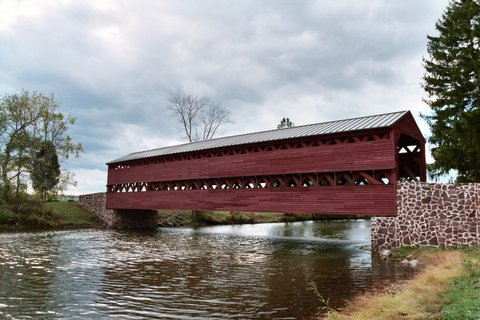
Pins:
x,y
347,166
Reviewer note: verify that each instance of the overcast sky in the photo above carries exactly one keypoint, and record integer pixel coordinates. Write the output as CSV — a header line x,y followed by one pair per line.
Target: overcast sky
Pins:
x,y
112,64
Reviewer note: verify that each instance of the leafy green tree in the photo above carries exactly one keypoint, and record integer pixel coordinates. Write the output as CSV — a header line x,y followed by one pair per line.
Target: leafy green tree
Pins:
x,y
27,121
45,172
285,123
16,115
452,82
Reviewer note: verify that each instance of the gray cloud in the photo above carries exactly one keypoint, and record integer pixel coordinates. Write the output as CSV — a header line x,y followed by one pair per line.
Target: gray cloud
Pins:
x,y
113,63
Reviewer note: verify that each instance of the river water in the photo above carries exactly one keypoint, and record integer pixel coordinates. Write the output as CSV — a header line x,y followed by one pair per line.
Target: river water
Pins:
x,y
259,271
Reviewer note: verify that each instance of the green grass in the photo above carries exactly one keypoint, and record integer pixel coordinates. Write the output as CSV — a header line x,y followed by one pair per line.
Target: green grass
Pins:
x,y
419,298
415,252
447,287
175,218
70,214
27,213
463,295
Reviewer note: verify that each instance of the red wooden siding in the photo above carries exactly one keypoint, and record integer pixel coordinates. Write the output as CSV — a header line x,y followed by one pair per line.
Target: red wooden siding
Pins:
x,y
366,200
328,158
408,126
351,172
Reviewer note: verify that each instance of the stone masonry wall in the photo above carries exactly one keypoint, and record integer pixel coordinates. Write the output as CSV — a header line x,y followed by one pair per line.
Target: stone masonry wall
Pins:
x,y
125,219
96,204
431,214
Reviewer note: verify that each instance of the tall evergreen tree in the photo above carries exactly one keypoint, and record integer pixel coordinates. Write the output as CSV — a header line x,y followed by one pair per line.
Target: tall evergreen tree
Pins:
x,y
452,82
45,169
285,123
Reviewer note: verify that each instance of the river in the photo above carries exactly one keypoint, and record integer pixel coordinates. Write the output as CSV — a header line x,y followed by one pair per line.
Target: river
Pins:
x,y
258,271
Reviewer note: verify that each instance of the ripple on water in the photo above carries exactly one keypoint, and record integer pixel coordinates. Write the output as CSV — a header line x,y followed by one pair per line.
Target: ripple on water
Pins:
x,y
239,272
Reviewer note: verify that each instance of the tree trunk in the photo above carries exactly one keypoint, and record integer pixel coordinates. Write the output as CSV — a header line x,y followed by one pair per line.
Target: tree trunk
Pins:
x,y
6,181
6,184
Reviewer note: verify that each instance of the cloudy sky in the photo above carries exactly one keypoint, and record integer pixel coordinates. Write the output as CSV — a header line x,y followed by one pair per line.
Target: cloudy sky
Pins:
x,y
112,64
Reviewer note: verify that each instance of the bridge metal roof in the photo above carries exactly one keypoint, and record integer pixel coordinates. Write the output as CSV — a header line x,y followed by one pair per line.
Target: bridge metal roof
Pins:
x,y
346,125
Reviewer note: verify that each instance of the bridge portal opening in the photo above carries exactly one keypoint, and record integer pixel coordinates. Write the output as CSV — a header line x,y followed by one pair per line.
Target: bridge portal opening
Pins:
x,y
410,155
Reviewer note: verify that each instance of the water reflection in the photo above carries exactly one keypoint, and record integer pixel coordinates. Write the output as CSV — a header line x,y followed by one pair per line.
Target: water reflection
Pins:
x,y
354,230
26,273
237,272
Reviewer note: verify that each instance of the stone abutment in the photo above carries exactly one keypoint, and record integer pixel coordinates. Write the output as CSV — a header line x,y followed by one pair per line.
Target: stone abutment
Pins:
x,y
431,214
122,219
428,214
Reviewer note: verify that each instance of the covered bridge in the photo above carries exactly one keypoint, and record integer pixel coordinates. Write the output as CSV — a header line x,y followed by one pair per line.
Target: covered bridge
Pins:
x,y
346,166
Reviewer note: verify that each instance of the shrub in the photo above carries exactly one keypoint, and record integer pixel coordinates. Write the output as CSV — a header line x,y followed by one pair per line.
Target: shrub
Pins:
x,y
5,218
29,210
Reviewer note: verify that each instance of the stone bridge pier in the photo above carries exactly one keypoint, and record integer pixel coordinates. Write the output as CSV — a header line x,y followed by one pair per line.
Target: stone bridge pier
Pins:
x,y
431,214
121,219
428,214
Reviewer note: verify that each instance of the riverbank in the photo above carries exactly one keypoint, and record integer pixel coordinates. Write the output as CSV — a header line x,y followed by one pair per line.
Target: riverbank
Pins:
x,y
169,218
29,214
446,287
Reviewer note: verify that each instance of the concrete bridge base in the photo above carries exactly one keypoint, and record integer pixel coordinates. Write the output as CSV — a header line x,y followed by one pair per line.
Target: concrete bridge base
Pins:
x,y
431,214
121,219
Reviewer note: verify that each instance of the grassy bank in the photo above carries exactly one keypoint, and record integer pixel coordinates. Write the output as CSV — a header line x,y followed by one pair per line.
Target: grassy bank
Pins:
x,y
463,296
32,214
447,287
198,218
71,214
28,213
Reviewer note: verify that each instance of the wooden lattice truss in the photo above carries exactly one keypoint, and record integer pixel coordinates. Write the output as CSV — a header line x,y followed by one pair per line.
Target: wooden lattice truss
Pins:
x,y
409,161
357,178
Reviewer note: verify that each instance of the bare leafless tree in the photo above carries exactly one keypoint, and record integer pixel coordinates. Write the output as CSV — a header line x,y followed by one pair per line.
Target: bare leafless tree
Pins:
x,y
200,117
